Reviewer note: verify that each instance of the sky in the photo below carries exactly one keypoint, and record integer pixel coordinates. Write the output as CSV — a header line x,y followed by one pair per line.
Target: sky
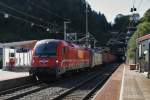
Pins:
x,y
110,8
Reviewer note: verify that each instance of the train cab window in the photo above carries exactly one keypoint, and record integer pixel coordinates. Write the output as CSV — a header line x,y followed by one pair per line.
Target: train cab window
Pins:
x,y
46,49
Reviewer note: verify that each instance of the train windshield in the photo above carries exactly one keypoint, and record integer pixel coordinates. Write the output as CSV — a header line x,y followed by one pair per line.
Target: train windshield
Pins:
x,y
46,49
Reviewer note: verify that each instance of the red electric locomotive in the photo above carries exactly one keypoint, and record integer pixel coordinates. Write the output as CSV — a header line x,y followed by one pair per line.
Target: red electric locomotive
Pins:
x,y
56,57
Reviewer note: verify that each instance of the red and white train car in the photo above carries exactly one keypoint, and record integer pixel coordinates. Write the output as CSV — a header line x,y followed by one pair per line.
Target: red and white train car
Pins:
x,y
57,56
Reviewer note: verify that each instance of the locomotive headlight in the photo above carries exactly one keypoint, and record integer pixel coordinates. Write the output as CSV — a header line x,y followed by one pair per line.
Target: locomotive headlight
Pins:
x,y
56,61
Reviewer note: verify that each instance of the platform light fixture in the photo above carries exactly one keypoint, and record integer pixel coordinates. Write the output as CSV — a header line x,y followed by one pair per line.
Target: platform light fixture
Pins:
x,y
6,15
32,24
47,29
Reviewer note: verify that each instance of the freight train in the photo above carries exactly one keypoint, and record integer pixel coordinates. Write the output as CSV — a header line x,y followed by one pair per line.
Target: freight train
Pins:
x,y
56,57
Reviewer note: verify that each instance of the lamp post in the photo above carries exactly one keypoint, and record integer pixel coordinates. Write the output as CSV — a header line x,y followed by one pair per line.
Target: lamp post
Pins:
x,y
87,32
65,28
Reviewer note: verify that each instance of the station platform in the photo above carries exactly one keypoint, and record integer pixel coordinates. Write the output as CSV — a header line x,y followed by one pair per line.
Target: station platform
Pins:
x,y
7,75
125,84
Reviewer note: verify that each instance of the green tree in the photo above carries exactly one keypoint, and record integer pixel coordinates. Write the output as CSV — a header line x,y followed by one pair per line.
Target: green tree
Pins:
x,y
12,29
142,29
121,22
147,16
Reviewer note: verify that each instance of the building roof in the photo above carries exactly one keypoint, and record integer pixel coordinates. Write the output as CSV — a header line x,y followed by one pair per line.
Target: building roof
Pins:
x,y
143,38
22,44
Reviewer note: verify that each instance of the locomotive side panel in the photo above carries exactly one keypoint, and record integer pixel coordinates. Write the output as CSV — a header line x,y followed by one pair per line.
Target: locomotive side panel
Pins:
x,y
57,57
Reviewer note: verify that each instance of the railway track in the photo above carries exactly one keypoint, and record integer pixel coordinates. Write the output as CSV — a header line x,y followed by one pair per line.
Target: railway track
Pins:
x,y
53,90
19,92
57,88
86,89
19,88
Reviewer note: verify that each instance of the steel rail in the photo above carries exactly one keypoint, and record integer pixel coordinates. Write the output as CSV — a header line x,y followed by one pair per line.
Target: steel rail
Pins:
x,y
19,88
104,77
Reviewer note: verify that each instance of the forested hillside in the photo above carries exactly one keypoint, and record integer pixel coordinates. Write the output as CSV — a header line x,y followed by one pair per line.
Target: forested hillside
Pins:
x,y
51,14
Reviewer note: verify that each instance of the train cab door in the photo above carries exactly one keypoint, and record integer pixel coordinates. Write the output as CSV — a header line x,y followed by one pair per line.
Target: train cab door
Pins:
x,y
63,52
63,58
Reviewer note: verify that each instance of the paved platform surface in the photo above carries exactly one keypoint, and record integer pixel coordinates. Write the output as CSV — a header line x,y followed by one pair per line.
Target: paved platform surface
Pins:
x,y
111,90
136,86
6,75
125,84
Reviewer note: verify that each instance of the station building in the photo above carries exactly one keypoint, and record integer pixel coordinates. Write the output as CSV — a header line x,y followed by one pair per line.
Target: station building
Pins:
x,y
16,56
143,53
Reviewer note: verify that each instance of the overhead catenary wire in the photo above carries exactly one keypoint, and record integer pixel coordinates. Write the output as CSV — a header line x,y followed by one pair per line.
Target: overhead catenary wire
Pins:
x,y
24,20
126,22
120,32
140,4
27,17
25,14
49,12
134,3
